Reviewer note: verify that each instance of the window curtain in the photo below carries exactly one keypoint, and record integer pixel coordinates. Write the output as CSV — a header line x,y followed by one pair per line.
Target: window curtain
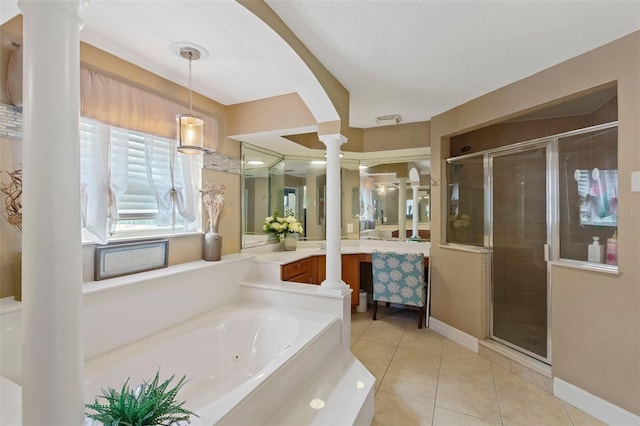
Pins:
x,y
94,178
118,104
125,106
103,180
179,189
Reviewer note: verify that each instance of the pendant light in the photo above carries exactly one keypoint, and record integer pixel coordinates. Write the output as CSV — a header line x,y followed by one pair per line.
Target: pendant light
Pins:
x,y
190,127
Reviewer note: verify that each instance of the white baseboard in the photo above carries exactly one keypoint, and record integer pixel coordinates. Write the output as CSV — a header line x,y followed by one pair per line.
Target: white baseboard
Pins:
x,y
460,337
593,405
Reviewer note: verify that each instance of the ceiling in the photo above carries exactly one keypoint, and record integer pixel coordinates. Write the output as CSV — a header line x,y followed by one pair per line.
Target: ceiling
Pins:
x,y
413,58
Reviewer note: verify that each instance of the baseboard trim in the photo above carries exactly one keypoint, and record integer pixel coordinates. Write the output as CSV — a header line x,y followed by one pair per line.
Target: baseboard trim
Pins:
x,y
452,333
593,405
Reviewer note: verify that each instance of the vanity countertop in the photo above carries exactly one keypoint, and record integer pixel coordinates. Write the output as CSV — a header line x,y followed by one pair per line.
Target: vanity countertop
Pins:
x,y
312,248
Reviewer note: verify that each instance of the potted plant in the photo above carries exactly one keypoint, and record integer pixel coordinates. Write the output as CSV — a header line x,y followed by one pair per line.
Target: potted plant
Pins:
x,y
148,404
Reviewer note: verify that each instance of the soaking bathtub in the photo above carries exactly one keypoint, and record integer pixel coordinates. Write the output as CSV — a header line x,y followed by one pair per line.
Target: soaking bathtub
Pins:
x,y
227,356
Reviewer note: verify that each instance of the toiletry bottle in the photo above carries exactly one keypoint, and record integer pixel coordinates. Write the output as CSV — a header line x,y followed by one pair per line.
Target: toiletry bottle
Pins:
x,y
612,249
596,251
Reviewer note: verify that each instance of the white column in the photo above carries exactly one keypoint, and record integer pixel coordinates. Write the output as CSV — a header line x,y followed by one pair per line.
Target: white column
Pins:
x,y
402,209
53,353
416,214
334,260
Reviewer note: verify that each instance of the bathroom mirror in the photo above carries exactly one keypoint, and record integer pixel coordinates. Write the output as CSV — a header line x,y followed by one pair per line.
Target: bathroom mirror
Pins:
x,y
387,202
370,195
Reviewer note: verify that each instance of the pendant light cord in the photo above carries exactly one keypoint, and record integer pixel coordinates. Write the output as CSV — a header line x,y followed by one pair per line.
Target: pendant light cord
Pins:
x,y
190,109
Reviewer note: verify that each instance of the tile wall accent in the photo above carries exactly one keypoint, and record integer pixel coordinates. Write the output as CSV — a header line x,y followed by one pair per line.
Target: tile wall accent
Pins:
x,y
222,163
10,122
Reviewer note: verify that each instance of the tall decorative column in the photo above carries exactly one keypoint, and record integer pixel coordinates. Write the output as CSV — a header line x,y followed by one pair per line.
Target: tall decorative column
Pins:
x,y
53,352
334,261
402,205
414,177
416,212
333,286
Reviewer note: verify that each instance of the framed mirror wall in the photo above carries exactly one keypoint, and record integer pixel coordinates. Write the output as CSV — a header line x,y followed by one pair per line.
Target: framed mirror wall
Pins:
x,y
387,198
370,190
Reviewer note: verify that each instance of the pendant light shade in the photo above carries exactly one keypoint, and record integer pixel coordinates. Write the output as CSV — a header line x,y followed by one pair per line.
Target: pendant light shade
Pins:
x,y
190,127
190,134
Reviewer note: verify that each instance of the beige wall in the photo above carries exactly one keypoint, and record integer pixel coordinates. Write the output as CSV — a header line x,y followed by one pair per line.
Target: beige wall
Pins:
x,y
400,136
270,114
596,316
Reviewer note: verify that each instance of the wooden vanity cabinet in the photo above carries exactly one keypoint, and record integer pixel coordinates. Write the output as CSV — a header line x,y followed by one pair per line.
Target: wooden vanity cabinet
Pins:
x,y
351,275
297,272
300,271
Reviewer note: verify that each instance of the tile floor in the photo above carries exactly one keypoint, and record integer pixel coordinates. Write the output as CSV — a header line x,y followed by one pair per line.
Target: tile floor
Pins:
x,y
423,378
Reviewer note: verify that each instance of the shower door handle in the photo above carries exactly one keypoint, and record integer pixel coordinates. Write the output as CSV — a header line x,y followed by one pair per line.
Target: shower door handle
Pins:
x,y
546,252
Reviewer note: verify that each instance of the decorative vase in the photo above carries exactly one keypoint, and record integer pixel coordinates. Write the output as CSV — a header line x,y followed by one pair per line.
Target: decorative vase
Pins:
x,y
273,239
212,244
290,241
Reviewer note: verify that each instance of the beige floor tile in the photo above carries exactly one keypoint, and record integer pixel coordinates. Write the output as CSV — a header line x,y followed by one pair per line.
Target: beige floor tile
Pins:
x,y
523,403
409,384
425,362
359,327
366,350
377,368
444,417
463,362
472,395
393,410
579,417
384,332
422,339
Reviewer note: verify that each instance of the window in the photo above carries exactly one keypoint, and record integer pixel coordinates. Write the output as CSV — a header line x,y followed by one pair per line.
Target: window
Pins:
x,y
147,187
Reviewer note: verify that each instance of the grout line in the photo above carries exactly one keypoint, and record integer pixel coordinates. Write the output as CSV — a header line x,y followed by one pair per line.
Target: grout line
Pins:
x,y
495,389
566,411
435,398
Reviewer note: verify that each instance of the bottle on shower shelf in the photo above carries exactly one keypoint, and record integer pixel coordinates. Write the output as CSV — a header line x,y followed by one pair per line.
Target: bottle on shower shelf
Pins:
x,y
612,249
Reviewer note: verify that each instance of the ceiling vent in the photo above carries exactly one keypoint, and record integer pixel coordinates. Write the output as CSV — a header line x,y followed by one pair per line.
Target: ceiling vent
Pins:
x,y
388,119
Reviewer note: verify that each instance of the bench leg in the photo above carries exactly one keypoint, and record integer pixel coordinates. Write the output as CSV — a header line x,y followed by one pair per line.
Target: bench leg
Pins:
x,y
375,309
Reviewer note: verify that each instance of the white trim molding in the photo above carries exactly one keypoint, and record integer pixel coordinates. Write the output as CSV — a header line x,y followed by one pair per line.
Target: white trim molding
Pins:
x,y
460,337
593,405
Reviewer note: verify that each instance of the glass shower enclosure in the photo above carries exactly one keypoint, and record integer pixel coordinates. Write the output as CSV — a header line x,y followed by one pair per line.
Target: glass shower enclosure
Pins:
x,y
519,239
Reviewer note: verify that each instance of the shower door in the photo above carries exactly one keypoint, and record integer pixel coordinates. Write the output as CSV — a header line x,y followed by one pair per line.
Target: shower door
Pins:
x,y
519,236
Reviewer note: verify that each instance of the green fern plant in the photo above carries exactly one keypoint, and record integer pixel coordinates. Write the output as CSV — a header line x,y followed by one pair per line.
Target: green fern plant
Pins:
x,y
148,404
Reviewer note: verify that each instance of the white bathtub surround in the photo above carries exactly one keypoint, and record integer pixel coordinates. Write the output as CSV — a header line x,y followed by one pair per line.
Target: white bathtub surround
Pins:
x,y
333,279
52,253
242,360
125,315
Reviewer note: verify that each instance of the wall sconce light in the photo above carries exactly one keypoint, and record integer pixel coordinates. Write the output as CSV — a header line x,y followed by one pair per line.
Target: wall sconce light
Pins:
x,y
190,130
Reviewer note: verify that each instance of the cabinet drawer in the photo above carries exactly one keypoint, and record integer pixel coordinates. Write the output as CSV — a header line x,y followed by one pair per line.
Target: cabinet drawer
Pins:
x,y
304,278
294,269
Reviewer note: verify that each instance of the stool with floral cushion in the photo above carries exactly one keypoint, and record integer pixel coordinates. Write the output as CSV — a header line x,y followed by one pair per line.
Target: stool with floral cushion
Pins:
x,y
398,278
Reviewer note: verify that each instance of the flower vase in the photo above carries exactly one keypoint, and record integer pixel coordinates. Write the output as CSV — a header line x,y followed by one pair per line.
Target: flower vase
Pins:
x,y
212,244
290,241
273,239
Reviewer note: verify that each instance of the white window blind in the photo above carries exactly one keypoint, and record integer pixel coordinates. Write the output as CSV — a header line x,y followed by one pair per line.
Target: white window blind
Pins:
x,y
145,179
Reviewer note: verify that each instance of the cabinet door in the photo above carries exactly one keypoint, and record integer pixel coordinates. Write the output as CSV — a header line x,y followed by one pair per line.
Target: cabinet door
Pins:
x,y
321,269
351,275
